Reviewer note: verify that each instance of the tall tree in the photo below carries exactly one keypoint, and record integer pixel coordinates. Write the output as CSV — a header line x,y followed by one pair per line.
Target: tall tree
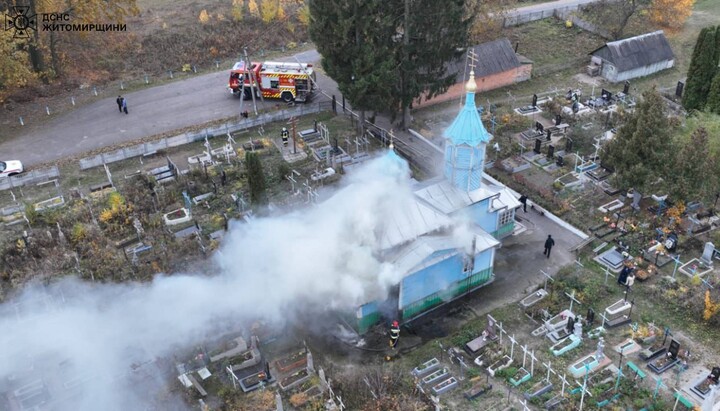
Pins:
x,y
256,179
641,153
614,15
671,14
692,162
701,71
356,41
434,34
15,70
385,54
713,101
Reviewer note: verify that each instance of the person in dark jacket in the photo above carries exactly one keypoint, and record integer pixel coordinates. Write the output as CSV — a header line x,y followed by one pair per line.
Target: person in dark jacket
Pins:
x,y
124,105
119,101
523,200
549,243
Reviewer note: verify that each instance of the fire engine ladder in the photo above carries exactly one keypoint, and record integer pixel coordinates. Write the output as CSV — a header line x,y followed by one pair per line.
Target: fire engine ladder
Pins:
x,y
310,78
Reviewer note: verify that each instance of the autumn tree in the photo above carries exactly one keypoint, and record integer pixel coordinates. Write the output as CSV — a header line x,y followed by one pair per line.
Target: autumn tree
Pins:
x,y
702,70
671,14
614,15
15,69
303,14
269,10
488,20
641,152
237,10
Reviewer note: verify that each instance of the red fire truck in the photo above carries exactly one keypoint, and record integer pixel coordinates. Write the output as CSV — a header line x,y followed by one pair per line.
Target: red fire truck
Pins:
x,y
286,81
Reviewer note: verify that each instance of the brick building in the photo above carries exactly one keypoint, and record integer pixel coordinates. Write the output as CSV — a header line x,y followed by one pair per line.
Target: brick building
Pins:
x,y
497,66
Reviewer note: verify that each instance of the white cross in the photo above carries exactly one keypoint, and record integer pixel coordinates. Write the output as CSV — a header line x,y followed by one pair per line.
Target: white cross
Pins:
x,y
512,346
473,58
607,273
547,277
549,369
564,383
572,299
677,263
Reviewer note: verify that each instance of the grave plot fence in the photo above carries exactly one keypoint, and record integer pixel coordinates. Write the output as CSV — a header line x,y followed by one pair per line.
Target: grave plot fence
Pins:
x,y
153,147
30,177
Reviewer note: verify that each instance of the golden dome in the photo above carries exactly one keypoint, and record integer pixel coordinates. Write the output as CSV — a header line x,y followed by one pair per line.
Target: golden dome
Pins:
x,y
471,86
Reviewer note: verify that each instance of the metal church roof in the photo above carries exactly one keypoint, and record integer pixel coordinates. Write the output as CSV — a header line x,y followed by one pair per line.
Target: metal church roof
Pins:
x,y
635,52
468,127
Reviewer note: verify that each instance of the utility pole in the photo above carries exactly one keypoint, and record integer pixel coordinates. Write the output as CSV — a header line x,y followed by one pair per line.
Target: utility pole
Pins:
x,y
406,41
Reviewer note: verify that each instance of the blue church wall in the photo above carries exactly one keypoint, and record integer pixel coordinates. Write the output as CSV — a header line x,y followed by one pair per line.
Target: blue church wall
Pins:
x,y
431,279
483,260
480,214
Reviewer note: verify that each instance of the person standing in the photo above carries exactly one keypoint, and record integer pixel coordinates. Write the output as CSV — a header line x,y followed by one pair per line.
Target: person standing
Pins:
x,y
394,334
549,243
119,101
124,105
523,200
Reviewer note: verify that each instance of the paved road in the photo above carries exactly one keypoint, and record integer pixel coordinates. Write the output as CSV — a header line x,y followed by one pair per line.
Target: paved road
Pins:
x,y
153,111
548,6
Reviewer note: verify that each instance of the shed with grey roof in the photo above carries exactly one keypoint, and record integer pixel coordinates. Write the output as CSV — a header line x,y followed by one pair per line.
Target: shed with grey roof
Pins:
x,y
634,57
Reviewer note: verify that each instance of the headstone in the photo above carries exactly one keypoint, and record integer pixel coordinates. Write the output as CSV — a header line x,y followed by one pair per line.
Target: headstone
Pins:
x,y
558,119
491,329
674,349
636,200
679,89
570,324
548,134
590,318
538,143
568,145
578,329
707,254
310,365
600,347
539,127
534,100
715,375
560,161
624,273
606,95
551,151
626,88
575,106
321,375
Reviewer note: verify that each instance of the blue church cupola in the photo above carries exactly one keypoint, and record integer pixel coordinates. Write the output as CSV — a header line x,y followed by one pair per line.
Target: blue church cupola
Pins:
x,y
465,143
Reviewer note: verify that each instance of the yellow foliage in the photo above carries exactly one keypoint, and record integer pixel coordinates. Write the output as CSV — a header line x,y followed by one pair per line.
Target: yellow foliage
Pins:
x,y
671,14
303,15
253,8
14,65
281,13
696,280
298,399
106,215
79,233
711,308
237,10
269,10
204,16
116,200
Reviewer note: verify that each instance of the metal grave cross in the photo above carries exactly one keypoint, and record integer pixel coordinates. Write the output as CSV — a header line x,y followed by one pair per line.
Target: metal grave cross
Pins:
x,y
677,263
659,383
512,345
548,366
707,284
572,299
620,373
525,351
532,363
547,277
578,266
564,383
584,386
524,404
607,273
472,56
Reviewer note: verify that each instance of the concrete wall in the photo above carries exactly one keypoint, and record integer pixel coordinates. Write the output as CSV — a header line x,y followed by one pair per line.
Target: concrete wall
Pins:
x,y
610,72
490,82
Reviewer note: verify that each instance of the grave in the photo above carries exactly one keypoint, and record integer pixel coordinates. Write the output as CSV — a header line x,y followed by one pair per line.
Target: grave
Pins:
x,y
703,386
626,347
179,216
294,379
435,376
611,206
257,380
653,351
528,110
539,388
569,180
707,255
445,386
586,166
489,357
591,362
477,390
522,375
565,345
533,298
515,164
487,337
538,143
557,322
599,174
695,267
530,134
669,360
617,314
609,189
499,364
551,151
612,259
426,367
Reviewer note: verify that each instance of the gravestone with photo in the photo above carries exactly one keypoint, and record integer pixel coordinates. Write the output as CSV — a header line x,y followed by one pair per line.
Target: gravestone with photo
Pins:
x,y
551,151
548,134
558,119
538,143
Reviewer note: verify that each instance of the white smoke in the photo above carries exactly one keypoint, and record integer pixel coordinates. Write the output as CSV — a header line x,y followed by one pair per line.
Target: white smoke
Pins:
x,y
95,350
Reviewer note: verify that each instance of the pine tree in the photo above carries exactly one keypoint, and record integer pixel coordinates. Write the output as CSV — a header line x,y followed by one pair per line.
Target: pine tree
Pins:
x,y
701,71
256,179
690,177
355,39
713,101
641,153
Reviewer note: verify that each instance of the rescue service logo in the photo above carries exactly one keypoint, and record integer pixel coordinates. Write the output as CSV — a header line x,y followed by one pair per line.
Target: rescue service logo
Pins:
x,y
21,22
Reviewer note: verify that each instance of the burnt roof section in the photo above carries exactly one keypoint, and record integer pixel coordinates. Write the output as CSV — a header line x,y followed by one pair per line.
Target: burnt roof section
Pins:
x,y
636,52
494,57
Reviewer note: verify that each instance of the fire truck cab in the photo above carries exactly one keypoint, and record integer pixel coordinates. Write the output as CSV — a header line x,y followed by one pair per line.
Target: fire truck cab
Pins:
x,y
286,81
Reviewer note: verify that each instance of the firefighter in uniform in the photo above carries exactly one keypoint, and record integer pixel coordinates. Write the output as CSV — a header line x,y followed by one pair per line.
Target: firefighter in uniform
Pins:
x,y
394,334
284,134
